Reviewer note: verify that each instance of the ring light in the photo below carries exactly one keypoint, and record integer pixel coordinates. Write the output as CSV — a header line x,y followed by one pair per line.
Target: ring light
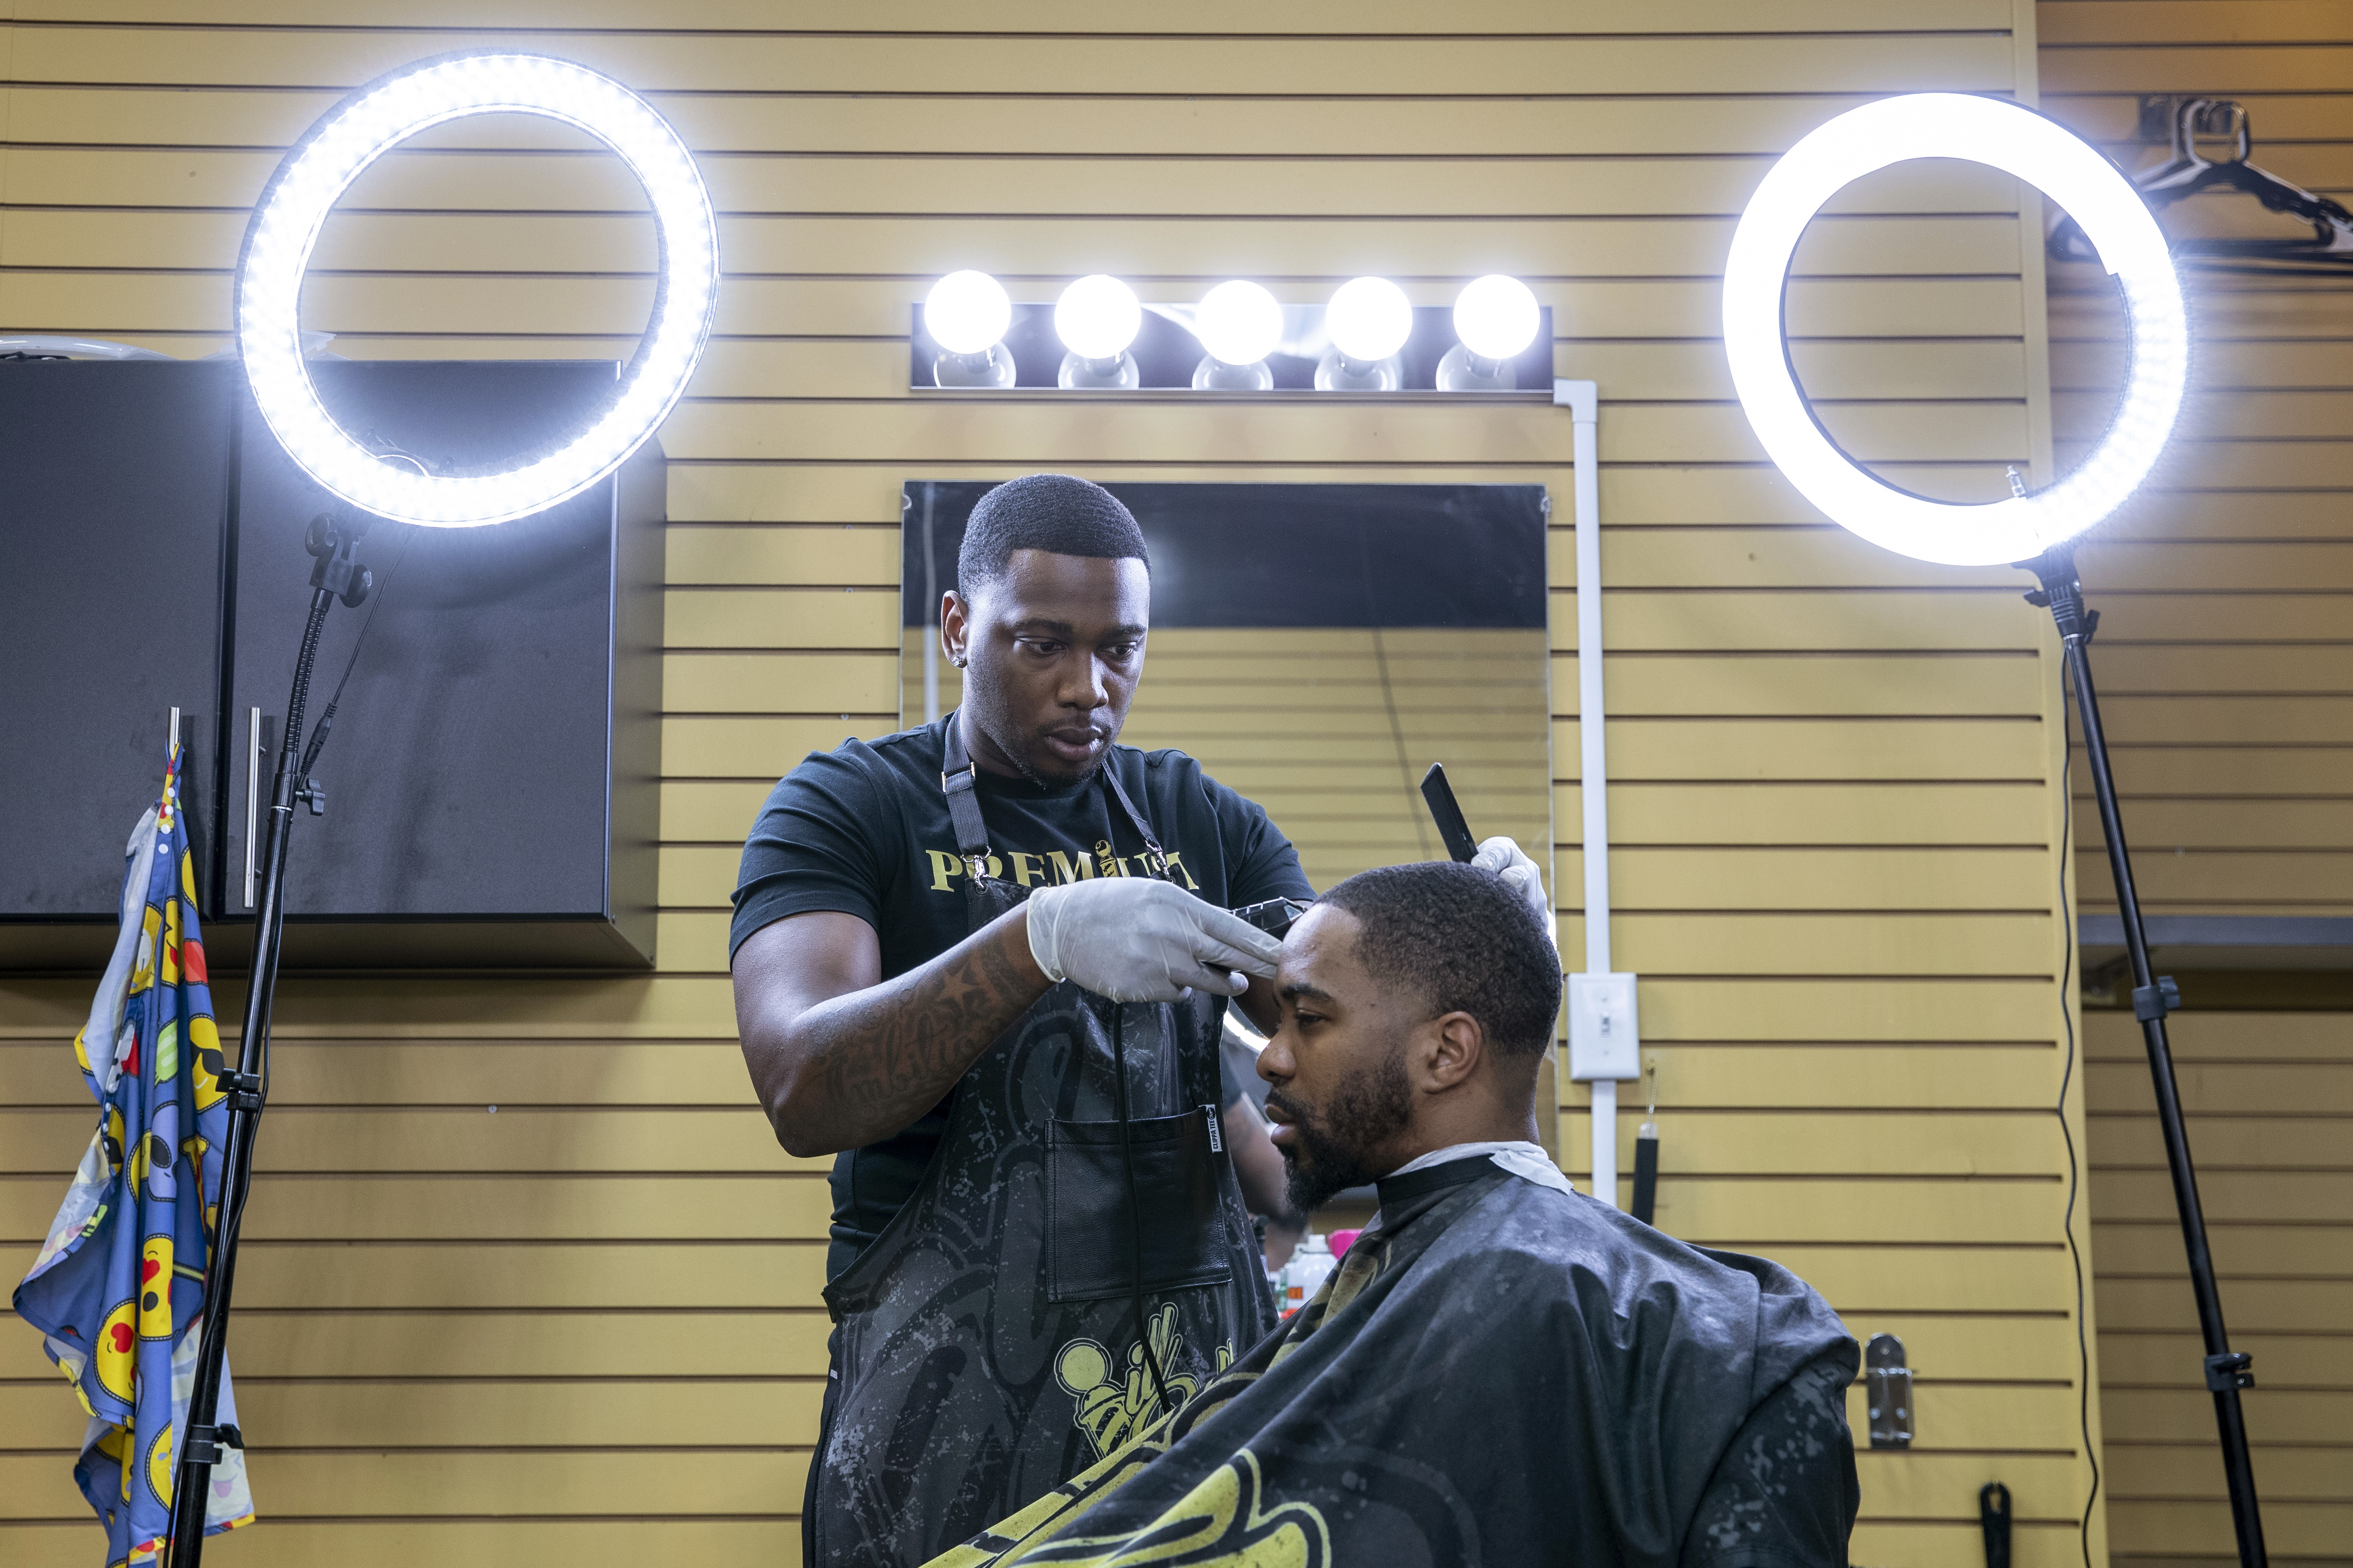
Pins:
x,y
320,168
2018,141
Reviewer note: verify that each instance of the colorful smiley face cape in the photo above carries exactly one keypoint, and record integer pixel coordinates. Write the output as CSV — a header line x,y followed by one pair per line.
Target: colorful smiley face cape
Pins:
x,y
119,1286
1500,1373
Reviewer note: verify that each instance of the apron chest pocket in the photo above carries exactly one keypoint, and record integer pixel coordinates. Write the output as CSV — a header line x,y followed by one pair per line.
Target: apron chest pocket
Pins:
x,y
1091,1239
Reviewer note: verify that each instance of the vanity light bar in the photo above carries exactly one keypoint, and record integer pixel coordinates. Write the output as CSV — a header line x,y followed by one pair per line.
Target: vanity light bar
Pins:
x,y
969,334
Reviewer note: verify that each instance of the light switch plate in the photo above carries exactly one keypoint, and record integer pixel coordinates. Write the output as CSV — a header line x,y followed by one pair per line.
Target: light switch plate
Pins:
x,y
1605,1034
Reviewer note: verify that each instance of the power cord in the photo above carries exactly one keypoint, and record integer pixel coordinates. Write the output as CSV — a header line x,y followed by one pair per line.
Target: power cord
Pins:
x,y
327,718
389,453
2074,1174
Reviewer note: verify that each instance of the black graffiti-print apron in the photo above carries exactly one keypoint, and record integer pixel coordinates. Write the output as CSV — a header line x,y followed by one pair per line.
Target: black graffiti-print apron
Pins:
x,y
988,1344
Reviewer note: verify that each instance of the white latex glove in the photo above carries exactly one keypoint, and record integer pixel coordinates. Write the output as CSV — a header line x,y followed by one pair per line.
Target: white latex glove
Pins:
x,y
1509,861
1134,938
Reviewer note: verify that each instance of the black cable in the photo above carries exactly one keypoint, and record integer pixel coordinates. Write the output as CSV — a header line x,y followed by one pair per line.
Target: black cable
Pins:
x,y
2066,1077
297,698
1134,1204
327,718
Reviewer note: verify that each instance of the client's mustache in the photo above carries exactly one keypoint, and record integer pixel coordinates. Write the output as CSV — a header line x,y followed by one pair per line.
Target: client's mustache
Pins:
x,y
1291,1111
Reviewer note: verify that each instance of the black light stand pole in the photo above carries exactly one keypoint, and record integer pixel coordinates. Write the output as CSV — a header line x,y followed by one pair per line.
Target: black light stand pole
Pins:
x,y
2227,1371
337,575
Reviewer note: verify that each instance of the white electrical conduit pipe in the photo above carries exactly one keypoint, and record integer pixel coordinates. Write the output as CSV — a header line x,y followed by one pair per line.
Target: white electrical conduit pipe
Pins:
x,y
1583,401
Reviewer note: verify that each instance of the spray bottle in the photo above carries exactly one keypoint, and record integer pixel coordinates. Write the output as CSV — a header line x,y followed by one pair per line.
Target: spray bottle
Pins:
x,y
1311,1264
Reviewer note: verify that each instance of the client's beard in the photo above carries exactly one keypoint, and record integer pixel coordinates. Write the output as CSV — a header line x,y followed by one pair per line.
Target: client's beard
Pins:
x,y
1333,1149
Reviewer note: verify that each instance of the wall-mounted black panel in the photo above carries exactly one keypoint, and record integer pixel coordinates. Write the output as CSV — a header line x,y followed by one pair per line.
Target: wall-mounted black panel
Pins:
x,y
113,505
469,772
491,776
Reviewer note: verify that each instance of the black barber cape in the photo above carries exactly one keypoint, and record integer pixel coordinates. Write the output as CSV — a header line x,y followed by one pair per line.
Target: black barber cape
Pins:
x,y
1500,1373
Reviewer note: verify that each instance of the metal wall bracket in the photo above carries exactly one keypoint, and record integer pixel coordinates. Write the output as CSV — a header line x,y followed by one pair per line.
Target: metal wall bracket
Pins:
x,y
1887,1388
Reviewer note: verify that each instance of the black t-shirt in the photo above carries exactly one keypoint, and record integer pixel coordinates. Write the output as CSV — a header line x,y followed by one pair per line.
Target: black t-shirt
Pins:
x,y
864,830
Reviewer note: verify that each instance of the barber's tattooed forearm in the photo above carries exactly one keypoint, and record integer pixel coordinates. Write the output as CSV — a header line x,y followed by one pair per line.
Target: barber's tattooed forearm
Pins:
x,y
896,1050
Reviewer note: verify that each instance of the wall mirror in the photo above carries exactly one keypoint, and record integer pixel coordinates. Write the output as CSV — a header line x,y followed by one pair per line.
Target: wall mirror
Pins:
x,y
1316,648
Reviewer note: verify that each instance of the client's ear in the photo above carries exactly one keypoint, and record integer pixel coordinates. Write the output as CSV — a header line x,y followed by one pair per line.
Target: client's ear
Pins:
x,y
1453,1046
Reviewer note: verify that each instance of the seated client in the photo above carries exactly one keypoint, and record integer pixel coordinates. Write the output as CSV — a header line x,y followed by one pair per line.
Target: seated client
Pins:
x,y
1501,1371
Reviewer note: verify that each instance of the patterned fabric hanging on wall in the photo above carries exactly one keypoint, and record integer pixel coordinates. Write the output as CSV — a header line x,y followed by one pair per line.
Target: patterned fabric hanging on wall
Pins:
x,y
118,1289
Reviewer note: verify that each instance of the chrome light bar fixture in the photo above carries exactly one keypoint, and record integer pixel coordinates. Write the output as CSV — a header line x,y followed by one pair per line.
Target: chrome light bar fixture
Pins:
x,y
969,334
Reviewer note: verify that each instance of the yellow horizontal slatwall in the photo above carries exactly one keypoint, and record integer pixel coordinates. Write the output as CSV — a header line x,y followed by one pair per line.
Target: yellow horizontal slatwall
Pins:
x,y
585,1323
2226,649
2227,592
2269,1097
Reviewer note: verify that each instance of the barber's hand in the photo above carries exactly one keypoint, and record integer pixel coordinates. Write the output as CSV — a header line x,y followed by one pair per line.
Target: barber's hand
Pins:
x,y
1509,861
1135,939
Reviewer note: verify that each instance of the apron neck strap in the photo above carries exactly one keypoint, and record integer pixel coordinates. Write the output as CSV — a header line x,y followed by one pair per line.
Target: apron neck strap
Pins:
x,y
1156,859
957,780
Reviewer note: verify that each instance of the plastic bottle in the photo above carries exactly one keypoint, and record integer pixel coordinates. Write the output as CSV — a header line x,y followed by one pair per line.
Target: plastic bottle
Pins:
x,y
1311,1264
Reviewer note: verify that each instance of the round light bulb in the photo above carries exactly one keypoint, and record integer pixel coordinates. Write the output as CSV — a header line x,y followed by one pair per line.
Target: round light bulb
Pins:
x,y
1097,317
2114,216
967,312
1238,323
353,134
1495,317
1369,319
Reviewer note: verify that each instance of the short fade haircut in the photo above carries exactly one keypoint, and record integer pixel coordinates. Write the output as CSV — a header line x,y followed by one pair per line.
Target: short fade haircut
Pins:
x,y
1463,942
1054,512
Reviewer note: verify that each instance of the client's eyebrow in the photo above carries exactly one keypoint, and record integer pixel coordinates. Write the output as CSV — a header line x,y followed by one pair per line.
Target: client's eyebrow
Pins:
x,y
1313,993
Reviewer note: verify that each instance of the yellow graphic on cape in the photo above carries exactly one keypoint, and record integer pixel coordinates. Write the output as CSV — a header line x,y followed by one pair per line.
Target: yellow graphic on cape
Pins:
x,y
1226,1522
1115,1403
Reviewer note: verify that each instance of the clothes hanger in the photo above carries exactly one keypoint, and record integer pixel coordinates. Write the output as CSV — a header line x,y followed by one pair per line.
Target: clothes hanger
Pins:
x,y
2189,171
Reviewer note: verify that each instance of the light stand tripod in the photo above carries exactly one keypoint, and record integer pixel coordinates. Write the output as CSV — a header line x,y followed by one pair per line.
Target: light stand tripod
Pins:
x,y
2227,1371
338,575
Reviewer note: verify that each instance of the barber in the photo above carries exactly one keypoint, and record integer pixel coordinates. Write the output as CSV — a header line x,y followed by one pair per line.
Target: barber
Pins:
x,y
947,943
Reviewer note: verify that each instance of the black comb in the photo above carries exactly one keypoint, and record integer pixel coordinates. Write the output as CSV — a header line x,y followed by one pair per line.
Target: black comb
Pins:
x,y
1447,813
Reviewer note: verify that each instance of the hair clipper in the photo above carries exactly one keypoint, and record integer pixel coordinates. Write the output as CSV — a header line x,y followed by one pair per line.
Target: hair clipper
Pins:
x,y
1275,916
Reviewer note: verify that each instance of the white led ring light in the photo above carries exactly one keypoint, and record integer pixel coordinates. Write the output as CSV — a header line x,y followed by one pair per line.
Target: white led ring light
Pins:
x,y
2018,141
353,134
